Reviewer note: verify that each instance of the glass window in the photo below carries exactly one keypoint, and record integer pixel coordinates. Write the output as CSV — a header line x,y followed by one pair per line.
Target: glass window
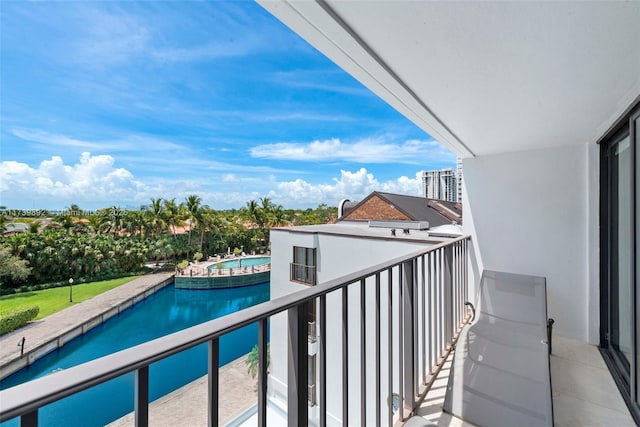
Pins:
x,y
636,138
621,248
303,267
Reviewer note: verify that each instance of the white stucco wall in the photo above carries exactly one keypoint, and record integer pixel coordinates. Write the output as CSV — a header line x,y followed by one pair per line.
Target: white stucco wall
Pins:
x,y
535,212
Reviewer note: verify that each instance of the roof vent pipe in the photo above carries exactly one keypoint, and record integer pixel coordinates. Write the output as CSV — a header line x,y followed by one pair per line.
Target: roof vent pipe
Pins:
x,y
341,207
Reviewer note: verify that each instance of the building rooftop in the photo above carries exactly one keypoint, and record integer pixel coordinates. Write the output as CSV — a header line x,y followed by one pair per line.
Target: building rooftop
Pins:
x,y
389,206
363,230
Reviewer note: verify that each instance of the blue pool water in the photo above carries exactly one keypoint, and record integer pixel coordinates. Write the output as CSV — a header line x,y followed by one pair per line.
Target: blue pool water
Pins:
x,y
244,262
168,310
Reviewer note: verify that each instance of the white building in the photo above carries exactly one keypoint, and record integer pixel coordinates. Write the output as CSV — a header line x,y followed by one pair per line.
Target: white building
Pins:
x,y
308,255
459,178
440,184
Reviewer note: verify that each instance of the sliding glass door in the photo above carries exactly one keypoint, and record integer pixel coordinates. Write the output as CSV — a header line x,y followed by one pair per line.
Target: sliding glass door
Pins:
x,y
620,249
635,137
620,231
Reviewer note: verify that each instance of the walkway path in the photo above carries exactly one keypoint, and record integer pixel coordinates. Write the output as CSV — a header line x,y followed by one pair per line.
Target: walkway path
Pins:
x,y
45,335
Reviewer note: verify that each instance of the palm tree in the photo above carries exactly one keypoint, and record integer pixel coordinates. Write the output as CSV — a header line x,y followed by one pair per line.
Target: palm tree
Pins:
x,y
112,220
135,223
278,216
253,361
156,217
172,215
266,210
206,223
253,211
193,211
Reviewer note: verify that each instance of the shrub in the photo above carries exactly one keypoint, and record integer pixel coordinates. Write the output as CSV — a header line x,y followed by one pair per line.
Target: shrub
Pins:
x,y
14,319
183,264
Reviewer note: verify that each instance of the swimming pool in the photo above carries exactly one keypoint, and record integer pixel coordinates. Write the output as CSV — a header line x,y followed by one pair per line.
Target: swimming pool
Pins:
x,y
168,310
241,262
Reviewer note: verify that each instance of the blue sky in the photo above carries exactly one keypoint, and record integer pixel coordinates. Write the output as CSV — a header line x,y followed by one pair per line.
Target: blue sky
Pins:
x,y
113,103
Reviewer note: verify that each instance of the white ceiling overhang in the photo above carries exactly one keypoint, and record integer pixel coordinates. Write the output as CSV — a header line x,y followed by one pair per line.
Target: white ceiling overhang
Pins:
x,y
485,77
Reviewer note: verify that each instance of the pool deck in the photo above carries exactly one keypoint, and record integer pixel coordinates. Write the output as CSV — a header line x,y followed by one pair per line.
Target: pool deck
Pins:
x,y
188,405
46,335
201,269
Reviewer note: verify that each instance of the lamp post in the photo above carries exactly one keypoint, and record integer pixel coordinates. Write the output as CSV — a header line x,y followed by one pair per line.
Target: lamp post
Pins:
x,y
71,289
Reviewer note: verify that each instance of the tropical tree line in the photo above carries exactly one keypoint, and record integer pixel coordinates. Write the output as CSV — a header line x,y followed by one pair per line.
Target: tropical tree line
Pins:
x,y
114,241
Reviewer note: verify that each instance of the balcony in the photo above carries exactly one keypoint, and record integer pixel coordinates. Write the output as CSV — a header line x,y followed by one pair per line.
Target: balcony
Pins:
x,y
302,273
407,334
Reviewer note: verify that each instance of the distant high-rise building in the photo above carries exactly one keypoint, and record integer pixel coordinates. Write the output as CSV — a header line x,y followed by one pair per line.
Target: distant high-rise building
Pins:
x,y
459,178
440,184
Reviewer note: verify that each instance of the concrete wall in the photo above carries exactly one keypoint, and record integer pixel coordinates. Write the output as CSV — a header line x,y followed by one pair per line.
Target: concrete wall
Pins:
x,y
535,212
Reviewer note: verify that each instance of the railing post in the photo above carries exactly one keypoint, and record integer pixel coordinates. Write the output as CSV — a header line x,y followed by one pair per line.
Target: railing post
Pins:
x,y
213,383
262,372
345,356
297,375
447,278
142,397
29,419
408,329
323,361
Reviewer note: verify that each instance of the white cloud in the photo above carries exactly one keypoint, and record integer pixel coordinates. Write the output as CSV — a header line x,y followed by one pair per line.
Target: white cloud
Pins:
x,y
131,142
364,151
95,182
230,177
46,138
301,116
351,185
94,178
113,38
315,79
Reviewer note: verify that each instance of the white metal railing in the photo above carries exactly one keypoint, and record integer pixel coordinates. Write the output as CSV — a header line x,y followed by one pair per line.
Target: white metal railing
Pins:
x,y
426,290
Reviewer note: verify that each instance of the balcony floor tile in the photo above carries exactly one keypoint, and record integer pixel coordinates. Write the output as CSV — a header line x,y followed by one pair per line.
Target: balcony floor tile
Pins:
x,y
584,393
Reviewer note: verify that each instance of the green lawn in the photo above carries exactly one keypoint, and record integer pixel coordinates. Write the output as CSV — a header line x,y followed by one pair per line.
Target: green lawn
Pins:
x,y
56,299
